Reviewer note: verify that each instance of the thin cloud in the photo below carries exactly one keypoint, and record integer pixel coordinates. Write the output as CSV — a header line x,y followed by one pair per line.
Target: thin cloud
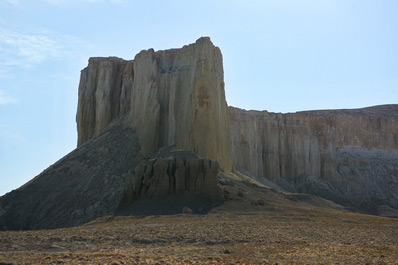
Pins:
x,y
27,48
10,3
119,1
65,2
6,99
61,3
9,135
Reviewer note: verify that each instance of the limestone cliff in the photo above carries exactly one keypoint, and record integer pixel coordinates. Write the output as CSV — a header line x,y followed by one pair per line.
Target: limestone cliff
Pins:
x,y
174,97
350,156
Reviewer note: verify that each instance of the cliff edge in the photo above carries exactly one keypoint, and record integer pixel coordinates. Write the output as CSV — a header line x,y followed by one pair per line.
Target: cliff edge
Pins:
x,y
174,98
348,156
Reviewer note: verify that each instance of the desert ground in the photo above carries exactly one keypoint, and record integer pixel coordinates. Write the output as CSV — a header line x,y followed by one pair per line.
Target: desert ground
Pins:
x,y
268,235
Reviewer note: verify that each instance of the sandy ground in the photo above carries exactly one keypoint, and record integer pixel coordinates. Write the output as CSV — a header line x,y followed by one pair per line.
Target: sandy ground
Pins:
x,y
305,236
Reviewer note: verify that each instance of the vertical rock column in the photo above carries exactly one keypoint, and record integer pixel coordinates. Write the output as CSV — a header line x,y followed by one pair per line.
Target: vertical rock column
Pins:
x,y
173,98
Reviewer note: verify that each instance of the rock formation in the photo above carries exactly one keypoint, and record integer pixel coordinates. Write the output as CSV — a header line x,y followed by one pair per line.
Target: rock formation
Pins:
x,y
174,98
127,110
180,177
176,173
154,131
349,156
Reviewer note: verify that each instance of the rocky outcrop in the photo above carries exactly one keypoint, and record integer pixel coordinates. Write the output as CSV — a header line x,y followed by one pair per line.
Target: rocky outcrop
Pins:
x,y
179,174
174,174
350,156
174,98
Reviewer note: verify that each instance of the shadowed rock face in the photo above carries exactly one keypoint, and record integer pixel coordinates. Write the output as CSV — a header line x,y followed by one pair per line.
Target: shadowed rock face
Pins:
x,y
174,174
174,97
349,156
179,177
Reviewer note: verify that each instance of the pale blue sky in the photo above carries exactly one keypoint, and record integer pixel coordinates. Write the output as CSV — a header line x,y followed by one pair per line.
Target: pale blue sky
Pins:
x,y
281,56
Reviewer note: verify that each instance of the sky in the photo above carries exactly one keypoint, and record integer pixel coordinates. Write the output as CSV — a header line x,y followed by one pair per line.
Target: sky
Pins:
x,y
279,55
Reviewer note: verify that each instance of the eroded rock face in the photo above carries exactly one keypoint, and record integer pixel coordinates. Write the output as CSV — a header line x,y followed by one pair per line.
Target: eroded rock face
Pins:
x,y
349,156
168,183
174,97
175,173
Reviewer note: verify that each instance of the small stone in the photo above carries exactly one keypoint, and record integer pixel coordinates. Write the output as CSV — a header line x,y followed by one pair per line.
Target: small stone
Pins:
x,y
227,251
260,202
186,210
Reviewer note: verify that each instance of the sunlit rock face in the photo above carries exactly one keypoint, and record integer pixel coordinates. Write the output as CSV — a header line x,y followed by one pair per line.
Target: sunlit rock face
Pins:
x,y
350,156
174,97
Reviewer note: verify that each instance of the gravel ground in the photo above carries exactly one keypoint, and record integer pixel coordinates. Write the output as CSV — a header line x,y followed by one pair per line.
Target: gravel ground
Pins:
x,y
304,236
